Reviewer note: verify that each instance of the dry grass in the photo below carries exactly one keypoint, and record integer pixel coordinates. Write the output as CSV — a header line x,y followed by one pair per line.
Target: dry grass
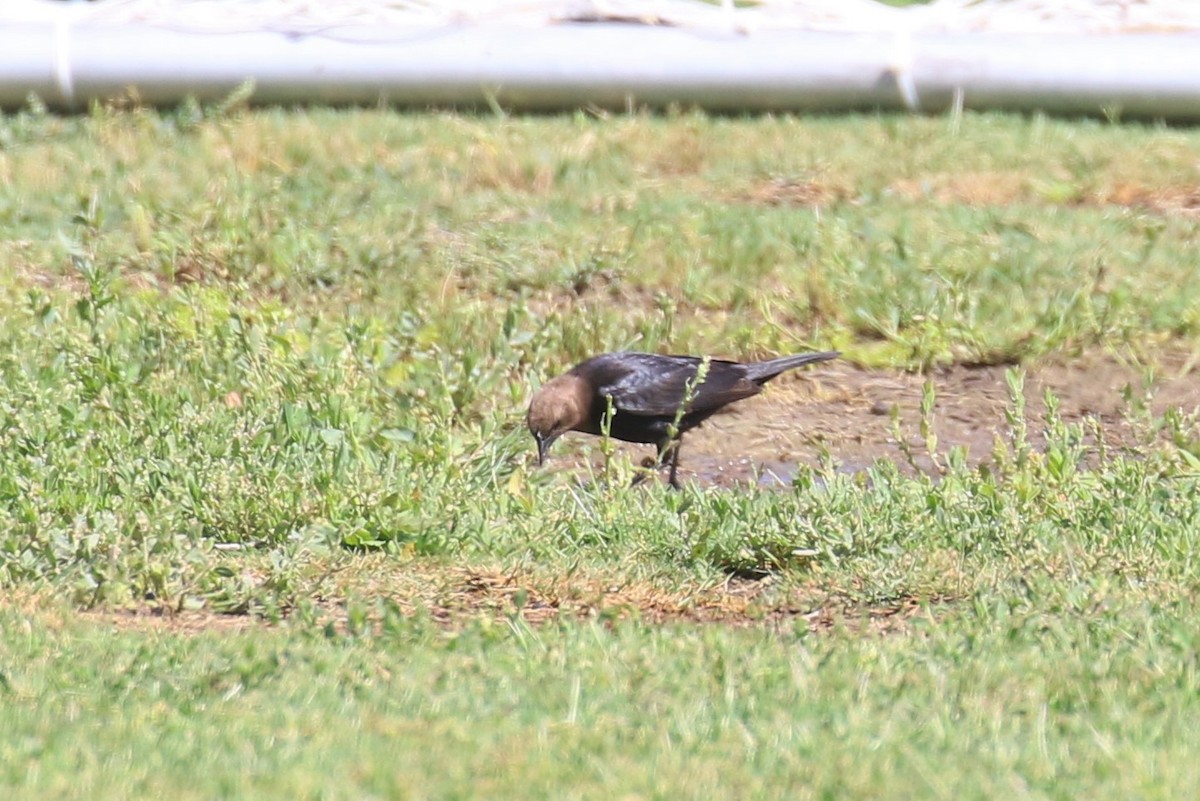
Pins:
x,y
453,597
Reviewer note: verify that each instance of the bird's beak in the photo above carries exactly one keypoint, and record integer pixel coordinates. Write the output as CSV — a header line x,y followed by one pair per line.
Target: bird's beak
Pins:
x,y
543,445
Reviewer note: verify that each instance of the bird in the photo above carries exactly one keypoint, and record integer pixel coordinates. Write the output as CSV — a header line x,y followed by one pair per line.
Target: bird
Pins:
x,y
655,398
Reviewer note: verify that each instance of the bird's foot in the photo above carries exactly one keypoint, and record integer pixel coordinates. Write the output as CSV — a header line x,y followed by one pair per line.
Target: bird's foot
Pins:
x,y
650,467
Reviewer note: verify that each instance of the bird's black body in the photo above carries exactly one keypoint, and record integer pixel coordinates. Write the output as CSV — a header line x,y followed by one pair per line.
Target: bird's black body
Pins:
x,y
647,391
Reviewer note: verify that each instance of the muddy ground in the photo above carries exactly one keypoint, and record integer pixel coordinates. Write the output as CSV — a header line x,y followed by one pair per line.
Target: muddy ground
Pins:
x,y
847,413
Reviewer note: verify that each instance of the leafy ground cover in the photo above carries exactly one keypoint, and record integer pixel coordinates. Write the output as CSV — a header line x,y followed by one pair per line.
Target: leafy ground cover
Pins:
x,y
270,523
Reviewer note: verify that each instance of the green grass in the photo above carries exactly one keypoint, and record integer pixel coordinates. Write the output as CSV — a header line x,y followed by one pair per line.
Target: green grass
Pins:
x,y
1090,699
274,363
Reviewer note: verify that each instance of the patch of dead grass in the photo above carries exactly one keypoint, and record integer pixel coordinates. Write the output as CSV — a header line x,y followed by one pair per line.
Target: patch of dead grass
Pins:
x,y
455,596
166,620
986,188
997,188
1169,200
782,191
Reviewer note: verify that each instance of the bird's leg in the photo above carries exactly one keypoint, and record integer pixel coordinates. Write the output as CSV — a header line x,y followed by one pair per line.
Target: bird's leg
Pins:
x,y
673,445
668,449
674,465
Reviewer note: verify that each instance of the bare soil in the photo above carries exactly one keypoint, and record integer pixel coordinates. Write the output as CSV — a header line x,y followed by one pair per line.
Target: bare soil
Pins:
x,y
847,413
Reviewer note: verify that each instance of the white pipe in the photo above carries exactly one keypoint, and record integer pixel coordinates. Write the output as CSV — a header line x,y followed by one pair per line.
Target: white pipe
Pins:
x,y
609,65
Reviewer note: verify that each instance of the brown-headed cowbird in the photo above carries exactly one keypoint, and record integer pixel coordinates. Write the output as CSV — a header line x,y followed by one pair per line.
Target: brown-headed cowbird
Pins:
x,y
648,395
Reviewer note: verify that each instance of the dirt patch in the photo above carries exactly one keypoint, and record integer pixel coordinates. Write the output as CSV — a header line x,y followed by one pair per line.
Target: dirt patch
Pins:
x,y
847,413
794,192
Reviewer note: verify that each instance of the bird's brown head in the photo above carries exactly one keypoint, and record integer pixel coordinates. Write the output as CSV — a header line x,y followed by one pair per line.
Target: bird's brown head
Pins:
x,y
559,406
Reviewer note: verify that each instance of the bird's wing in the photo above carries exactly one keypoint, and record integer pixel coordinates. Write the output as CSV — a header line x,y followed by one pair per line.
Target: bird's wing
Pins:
x,y
655,386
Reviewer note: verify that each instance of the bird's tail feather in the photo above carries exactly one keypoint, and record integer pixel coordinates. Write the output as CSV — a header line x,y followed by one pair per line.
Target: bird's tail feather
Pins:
x,y
765,371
